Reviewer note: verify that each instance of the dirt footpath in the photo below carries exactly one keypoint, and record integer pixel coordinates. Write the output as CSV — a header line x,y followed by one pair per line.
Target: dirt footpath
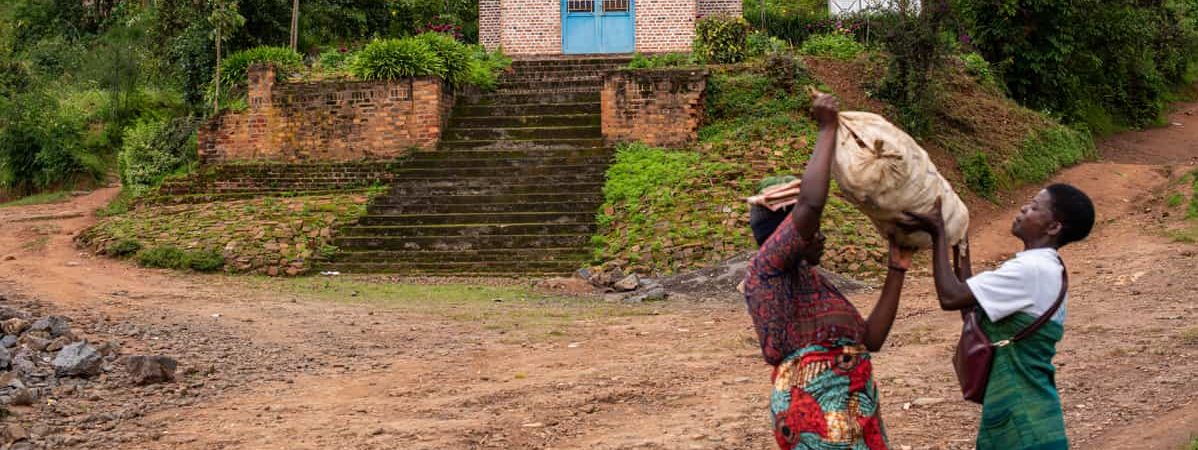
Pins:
x,y
271,364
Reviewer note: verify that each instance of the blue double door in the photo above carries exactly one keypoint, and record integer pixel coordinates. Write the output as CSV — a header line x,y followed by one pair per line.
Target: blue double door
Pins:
x,y
598,26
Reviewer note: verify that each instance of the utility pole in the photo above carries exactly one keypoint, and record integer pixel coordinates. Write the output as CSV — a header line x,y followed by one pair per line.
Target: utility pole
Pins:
x,y
294,25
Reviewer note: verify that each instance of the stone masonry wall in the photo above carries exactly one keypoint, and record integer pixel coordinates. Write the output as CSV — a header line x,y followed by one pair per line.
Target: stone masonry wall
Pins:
x,y
327,121
660,107
729,7
665,25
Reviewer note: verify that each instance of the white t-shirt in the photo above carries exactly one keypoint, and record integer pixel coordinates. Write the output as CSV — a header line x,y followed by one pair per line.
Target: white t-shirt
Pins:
x,y
1029,283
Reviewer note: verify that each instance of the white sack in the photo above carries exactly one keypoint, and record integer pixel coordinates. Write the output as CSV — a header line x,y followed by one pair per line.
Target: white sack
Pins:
x,y
882,171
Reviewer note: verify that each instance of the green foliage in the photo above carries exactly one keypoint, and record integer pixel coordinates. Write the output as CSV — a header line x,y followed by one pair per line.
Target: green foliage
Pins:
x,y
641,61
485,68
335,59
979,175
1047,151
833,45
454,55
785,19
38,199
1192,211
916,46
154,149
162,257
721,39
123,248
391,59
233,68
203,260
760,44
40,147
977,67
1092,61
1175,199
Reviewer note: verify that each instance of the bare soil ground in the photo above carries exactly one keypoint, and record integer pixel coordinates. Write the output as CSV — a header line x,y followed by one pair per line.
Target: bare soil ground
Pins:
x,y
366,363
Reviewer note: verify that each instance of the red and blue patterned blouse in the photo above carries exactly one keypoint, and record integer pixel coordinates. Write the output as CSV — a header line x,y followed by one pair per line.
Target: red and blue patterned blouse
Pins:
x,y
792,305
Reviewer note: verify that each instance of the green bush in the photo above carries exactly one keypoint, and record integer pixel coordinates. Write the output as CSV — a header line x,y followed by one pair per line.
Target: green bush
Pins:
x,y
641,61
152,150
721,39
162,257
203,260
335,59
233,68
1047,151
454,55
392,59
123,248
760,43
485,68
786,20
833,45
979,176
977,67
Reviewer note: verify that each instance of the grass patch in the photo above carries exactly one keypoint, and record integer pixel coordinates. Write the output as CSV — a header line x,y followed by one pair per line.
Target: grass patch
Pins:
x,y
834,45
1047,151
1189,336
38,199
504,308
123,248
120,204
36,244
1175,199
164,257
670,210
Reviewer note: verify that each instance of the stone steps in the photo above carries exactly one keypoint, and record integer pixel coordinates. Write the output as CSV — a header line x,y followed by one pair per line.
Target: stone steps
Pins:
x,y
513,188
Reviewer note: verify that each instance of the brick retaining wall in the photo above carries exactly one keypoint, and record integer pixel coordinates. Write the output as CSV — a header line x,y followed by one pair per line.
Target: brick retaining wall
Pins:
x,y
660,107
327,121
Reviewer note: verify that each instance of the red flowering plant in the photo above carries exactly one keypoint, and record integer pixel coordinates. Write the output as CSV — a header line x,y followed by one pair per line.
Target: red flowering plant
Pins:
x,y
442,27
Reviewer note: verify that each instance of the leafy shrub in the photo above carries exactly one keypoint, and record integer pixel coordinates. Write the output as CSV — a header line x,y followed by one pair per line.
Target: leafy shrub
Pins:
x,y
760,43
123,248
786,20
834,45
162,257
979,176
485,68
916,45
391,59
152,150
233,68
203,260
1049,150
454,55
977,67
335,59
721,39
641,61
41,146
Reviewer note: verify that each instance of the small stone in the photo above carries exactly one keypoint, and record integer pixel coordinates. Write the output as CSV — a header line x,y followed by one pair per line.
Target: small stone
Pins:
x,y
15,433
9,258
378,432
33,342
151,369
78,359
8,341
22,364
23,397
741,380
15,325
5,358
533,425
72,263
655,294
628,283
58,344
54,325
927,401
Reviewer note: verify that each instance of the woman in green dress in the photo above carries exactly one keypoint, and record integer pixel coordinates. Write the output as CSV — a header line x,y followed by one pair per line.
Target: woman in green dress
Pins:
x,y
1021,409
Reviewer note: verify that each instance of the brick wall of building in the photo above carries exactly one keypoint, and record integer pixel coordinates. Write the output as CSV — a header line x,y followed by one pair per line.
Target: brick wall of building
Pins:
x,y
665,25
729,7
662,107
530,27
327,121
488,23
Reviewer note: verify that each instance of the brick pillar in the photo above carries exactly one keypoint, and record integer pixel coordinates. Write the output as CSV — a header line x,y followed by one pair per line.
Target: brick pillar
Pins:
x,y
260,80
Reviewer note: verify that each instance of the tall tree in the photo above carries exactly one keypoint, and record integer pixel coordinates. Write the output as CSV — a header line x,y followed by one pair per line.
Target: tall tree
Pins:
x,y
225,20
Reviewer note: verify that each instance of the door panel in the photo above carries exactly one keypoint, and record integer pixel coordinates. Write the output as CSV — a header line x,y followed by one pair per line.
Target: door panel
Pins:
x,y
598,26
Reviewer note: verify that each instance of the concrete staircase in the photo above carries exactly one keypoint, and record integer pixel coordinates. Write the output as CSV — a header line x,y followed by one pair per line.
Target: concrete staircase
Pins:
x,y
513,188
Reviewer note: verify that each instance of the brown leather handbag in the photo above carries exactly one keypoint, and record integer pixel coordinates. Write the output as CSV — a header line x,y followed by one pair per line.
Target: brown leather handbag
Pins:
x,y
975,352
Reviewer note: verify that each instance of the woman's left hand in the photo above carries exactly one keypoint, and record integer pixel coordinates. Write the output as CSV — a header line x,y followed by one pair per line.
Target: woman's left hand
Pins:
x,y
900,257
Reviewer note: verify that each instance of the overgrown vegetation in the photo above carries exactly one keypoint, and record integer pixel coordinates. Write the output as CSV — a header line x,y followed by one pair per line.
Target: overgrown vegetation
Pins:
x,y
669,210
833,45
721,39
1182,200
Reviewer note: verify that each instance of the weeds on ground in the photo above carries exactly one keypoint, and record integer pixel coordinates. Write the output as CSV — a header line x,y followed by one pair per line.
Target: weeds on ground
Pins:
x,y
36,245
503,308
38,199
1189,336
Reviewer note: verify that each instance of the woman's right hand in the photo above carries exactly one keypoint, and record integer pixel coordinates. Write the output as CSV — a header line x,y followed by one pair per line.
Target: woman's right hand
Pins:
x,y
932,222
826,109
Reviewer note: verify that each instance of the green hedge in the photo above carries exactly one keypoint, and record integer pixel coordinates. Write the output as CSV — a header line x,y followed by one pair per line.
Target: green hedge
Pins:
x,y
721,39
429,54
233,68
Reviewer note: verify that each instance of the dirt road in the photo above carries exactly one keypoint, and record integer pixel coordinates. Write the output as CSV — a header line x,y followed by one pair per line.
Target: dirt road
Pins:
x,y
305,364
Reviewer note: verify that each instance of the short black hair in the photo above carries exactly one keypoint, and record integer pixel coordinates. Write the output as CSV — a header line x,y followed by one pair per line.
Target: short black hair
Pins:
x,y
764,222
1074,210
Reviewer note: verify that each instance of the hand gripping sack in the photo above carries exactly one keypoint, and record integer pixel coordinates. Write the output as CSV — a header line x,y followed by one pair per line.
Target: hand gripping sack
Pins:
x,y
884,173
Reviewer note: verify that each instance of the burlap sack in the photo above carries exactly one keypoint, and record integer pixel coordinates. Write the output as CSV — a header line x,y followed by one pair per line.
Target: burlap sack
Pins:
x,y
882,171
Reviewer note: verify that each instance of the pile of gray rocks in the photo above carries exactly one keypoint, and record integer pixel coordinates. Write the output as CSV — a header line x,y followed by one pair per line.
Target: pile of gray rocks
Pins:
x,y
618,286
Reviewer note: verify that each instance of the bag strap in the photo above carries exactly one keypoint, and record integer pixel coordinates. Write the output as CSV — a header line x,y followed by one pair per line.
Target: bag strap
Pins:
x,y
1051,311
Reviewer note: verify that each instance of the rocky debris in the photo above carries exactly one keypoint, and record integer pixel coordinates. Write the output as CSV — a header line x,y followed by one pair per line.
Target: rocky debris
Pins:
x,y
56,326
630,288
78,360
719,281
629,283
15,325
151,369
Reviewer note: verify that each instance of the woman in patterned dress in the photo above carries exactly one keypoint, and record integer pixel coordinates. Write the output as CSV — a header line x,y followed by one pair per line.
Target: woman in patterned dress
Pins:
x,y
824,395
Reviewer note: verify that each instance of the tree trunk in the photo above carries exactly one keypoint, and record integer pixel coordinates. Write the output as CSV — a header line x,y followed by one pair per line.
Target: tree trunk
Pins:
x,y
216,98
294,25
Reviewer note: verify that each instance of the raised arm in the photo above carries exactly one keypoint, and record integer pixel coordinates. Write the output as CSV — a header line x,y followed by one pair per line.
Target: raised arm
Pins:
x,y
814,194
954,294
877,327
